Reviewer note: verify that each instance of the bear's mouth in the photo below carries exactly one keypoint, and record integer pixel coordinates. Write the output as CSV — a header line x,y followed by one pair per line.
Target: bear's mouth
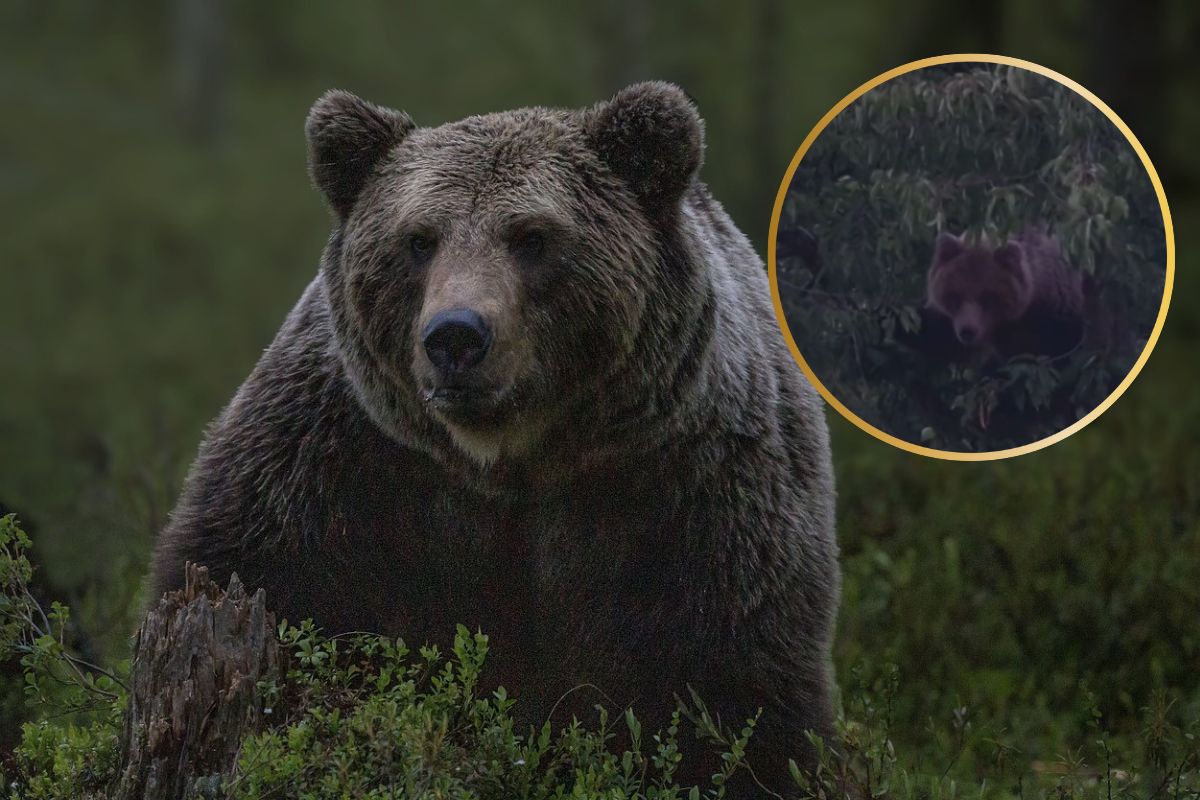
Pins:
x,y
467,405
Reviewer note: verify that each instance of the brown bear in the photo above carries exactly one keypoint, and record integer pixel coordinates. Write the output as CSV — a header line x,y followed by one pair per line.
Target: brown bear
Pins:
x,y
1019,298
537,388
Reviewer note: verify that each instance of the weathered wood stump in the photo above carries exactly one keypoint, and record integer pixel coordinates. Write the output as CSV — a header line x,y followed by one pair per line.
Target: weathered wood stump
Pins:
x,y
197,661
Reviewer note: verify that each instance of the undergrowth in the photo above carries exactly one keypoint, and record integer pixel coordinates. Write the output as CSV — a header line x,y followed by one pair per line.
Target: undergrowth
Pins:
x,y
363,716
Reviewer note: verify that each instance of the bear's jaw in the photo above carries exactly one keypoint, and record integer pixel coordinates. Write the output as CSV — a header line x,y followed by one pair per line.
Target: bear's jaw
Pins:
x,y
485,424
481,447
486,447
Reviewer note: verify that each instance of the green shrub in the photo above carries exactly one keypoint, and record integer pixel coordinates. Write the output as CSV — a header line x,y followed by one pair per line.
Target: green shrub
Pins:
x,y
361,717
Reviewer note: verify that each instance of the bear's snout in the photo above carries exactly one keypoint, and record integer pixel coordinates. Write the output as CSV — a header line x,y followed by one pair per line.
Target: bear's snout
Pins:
x,y
971,324
968,334
456,340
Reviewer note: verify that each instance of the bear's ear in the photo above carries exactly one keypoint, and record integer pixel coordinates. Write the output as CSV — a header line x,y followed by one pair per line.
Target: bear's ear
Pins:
x,y
1011,258
946,247
650,136
347,137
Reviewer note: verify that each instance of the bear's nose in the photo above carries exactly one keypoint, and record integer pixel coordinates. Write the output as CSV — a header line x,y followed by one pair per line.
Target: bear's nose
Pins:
x,y
456,340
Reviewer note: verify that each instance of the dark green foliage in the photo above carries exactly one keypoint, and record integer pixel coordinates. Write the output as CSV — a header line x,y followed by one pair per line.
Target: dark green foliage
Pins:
x,y
76,754
361,716
991,151
866,761
56,678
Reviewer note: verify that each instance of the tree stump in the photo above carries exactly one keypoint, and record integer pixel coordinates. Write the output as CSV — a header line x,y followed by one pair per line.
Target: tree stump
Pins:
x,y
193,694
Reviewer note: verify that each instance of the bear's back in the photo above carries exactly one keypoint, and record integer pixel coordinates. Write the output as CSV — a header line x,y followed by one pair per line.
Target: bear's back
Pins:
x,y
1057,286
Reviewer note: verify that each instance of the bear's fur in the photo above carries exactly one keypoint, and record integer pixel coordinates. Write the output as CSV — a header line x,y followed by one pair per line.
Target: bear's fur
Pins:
x,y
1020,297
632,490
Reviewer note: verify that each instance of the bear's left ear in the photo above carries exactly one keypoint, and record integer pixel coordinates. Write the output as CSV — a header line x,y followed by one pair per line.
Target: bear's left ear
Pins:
x,y
946,247
650,136
347,137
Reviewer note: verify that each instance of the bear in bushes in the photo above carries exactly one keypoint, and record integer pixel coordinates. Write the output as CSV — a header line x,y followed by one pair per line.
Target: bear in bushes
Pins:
x,y
1018,298
537,388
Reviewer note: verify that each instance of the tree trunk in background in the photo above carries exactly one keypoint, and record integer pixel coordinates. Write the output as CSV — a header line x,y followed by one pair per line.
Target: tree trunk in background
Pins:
x,y
1128,66
200,68
193,694
622,30
939,27
767,164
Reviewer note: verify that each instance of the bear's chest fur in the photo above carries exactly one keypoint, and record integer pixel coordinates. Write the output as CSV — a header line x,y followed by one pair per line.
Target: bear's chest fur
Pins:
x,y
588,569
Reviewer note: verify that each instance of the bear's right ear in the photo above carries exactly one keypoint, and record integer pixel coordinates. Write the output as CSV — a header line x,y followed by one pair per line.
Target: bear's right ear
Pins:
x,y
650,136
946,247
347,138
1010,256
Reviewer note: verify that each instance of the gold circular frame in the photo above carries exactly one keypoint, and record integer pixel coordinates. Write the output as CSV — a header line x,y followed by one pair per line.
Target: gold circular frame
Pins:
x,y
955,455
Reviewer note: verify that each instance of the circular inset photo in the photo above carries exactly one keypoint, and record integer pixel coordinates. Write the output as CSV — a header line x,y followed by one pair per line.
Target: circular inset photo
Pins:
x,y
971,257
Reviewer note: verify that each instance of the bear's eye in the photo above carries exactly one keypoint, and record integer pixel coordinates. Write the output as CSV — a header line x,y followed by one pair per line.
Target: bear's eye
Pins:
x,y
530,244
421,245
989,300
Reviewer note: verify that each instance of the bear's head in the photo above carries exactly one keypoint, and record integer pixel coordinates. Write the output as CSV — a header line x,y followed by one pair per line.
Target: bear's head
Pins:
x,y
978,287
490,278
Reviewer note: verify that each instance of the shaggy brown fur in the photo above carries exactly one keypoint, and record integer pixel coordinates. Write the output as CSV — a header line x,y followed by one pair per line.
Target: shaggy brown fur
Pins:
x,y
631,488
1020,297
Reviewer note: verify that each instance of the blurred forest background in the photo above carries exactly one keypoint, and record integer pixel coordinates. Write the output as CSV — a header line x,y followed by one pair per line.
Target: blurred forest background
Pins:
x,y
989,152
158,224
